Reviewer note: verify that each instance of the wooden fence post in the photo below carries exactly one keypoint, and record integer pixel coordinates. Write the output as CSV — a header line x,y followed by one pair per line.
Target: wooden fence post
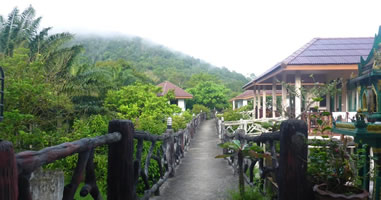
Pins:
x,y
293,160
120,175
8,172
170,147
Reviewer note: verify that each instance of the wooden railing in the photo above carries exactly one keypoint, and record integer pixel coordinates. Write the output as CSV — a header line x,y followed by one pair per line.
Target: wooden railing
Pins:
x,y
285,171
123,172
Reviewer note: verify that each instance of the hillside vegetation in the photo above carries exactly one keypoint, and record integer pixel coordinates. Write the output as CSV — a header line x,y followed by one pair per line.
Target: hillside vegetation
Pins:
x,y
58,89
158,63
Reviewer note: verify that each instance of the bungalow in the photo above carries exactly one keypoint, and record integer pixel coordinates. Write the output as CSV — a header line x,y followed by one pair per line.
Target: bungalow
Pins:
x,y
242,99
327,59
180,94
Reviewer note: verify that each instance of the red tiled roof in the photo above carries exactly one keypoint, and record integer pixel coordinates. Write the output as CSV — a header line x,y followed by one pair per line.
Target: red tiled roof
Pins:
x,y
249,94
179,93
324,51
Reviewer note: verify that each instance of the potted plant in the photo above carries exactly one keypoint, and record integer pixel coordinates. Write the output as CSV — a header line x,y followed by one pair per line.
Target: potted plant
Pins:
x,y
334,171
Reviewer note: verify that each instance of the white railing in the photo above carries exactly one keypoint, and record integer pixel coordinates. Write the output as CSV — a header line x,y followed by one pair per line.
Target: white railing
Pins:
x,y
251,127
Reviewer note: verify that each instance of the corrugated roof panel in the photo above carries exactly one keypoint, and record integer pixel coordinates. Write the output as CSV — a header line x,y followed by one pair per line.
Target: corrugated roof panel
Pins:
x,y
340,46
335,52
326,60
344,41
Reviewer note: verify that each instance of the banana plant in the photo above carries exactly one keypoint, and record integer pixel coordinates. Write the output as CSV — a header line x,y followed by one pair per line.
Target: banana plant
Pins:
x,y
242,150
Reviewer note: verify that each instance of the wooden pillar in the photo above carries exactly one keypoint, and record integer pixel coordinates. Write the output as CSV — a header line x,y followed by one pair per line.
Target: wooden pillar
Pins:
x,y
344,97
353,99
273,92
284,95
298,96
292,166
254,101
258,102
357,99
264,102
8,172
233,104
120,173
335,103
170,154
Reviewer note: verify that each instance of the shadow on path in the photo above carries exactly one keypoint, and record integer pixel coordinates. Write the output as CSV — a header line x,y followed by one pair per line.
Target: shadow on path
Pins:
x,y
200,176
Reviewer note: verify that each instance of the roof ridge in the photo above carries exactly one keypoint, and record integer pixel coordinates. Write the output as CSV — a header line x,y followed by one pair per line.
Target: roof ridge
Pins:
x,y
298,52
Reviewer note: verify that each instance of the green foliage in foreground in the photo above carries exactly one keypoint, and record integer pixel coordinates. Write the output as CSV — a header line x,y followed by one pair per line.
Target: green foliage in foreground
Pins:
x,y
250,193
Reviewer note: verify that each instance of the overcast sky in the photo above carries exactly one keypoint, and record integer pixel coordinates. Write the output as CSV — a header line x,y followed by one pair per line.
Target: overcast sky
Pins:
x,y
245,36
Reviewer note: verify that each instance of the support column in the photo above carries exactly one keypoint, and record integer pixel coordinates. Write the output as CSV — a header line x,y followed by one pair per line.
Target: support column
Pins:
x,y
298,96
344,97
233,104
274,97
254,101
264,102
357,99
258,102
335,103
353,97
284,95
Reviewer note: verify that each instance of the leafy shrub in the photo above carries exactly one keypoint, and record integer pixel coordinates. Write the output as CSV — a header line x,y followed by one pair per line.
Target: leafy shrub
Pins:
x,y
197,108
250,193
232,115
180,121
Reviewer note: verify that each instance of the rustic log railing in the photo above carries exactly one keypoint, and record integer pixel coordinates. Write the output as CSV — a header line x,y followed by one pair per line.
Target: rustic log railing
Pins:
x,y
285,170
123,171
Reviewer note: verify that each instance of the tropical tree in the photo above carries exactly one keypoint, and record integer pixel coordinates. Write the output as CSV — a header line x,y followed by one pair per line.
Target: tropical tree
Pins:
x,y
209,94
139,102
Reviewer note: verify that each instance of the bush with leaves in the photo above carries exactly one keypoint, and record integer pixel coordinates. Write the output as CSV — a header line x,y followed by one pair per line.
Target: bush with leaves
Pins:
x,y
232,115
197,108
180,121
139,102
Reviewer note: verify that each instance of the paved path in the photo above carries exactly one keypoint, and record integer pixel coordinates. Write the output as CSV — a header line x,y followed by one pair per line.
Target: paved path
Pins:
x,y
200,176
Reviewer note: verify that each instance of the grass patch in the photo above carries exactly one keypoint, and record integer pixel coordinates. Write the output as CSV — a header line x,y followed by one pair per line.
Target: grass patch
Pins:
x,y
250,193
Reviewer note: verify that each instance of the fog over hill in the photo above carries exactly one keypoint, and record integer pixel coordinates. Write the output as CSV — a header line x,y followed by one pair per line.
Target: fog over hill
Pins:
x,y
158,62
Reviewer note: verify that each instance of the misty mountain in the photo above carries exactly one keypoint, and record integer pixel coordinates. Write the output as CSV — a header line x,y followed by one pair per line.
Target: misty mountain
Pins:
x,y
157,62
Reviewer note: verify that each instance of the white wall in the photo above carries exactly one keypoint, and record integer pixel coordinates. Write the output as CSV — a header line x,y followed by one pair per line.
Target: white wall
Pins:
x,y
181,104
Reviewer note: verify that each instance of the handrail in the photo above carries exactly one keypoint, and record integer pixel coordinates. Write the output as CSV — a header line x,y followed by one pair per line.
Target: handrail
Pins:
x,y
281,167
123,171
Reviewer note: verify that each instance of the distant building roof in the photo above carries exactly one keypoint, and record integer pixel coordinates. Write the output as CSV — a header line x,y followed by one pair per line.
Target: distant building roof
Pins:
x,y
247,94
179,93
326,51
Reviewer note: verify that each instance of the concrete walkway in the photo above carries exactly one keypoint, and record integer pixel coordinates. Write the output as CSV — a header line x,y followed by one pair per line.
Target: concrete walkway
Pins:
x,y
200,176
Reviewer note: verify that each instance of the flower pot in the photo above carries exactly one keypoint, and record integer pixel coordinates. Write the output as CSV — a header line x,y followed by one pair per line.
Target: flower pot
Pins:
x,y
321,194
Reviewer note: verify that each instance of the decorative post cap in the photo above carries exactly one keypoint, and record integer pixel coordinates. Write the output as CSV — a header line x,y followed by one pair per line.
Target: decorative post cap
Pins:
x,y
169,123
